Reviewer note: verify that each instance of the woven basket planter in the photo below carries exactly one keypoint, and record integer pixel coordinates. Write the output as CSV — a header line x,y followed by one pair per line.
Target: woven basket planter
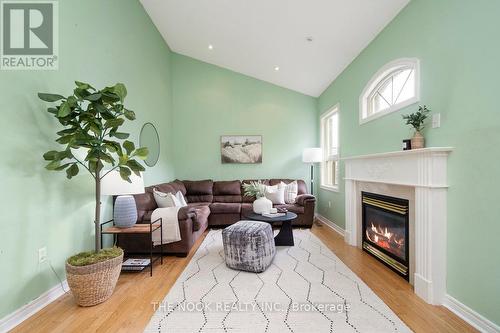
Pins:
x,y
93,284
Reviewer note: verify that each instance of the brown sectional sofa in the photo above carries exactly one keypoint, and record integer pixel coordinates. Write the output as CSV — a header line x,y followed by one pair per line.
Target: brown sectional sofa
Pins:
x,y
210,204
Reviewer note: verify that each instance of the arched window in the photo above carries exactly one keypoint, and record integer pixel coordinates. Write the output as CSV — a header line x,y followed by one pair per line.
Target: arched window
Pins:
x,y
394,87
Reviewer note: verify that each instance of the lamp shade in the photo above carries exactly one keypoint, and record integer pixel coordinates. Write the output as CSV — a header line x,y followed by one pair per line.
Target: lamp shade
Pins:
x,y
113,184
312,155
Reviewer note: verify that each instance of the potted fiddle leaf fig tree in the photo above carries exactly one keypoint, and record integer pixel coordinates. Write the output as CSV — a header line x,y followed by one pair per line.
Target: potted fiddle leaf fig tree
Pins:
x,y
91,121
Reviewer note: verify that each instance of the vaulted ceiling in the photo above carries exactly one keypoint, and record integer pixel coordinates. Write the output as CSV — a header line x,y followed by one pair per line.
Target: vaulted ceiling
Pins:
x,y
297,44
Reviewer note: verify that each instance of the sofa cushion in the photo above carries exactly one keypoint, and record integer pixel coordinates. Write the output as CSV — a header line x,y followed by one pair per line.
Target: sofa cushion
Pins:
x,y
291,190
246,208
198,204
144,202
225,208
303,198
276,193
178,185
302,188
165,188
246,181
292,208
147,215
164,200
199,190
202,213
227,191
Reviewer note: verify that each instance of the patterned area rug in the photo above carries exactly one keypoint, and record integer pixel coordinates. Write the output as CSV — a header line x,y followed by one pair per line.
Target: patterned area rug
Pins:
x,y
306,289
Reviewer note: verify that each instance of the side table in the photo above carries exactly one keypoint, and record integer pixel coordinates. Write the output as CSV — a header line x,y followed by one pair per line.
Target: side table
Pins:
x,y
138,229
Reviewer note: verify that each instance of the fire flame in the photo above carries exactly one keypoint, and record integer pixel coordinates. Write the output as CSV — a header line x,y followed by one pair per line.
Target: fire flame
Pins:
x,y
384,238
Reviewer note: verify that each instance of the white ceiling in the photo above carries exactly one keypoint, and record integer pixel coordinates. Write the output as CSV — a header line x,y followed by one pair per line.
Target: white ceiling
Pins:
x,y
252,37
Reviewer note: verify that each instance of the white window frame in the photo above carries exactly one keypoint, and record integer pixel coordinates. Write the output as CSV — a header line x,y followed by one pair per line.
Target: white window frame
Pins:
x,y
323,118
380,78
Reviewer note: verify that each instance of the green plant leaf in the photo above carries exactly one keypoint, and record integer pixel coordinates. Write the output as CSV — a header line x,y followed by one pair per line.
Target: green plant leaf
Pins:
x,y
72,171
53,165
50,97
141,153
64,154
110,97
64,110
66,131
80,93
94,166
135,166
100,108
129,146
65,139
120,90
123,159
120,135
72,101
112,123
52,110
93,98
130,115
94,128
111,148
83,85
62,167
125,173
107,158
50,155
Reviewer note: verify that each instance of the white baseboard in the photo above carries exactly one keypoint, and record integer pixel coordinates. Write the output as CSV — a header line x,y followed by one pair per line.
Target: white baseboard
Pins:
x,y
470,316
331,224
15,318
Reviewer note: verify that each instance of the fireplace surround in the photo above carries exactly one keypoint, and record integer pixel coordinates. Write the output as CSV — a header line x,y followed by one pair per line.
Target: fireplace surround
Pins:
x,y
421,174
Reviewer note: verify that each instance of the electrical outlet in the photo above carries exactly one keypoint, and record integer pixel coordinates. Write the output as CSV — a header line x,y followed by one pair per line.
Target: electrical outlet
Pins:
x,y
329,204
436,120
42,255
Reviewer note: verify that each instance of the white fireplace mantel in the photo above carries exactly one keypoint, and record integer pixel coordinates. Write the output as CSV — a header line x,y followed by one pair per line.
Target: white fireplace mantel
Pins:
x,y
425,171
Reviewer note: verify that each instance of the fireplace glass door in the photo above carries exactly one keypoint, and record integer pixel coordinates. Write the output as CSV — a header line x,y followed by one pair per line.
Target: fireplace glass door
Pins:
x,y
386,230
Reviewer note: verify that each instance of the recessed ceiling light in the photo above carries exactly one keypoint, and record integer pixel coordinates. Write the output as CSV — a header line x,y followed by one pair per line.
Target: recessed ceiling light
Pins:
x,y
210,47
276,68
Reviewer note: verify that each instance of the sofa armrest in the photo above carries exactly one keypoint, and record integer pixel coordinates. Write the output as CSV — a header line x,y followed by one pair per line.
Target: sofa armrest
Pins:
x,y
303,198
186,213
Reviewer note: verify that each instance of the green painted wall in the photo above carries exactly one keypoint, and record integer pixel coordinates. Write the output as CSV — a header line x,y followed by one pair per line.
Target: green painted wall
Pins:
x,y
210,101
102,42
457,43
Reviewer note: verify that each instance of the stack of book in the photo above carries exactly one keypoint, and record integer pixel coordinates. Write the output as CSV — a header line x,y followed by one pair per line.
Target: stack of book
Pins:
x,y
135,264
271,215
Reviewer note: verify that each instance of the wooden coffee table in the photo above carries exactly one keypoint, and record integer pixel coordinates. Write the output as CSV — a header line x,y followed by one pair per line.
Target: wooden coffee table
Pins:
x,y
285,235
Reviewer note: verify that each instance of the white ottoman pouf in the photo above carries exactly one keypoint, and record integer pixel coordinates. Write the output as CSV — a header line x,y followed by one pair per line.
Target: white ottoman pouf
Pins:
x,y
249,246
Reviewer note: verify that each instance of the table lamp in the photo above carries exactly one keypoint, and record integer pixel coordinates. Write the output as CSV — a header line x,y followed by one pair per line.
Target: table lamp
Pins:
x,y
311,156
125,210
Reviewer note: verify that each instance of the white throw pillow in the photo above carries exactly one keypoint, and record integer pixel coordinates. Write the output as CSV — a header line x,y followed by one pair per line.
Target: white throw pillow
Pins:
x,y
276,194
165,200
181,199
291,191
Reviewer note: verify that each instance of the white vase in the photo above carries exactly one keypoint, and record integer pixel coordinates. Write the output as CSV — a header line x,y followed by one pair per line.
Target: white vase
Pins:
x,y
262,205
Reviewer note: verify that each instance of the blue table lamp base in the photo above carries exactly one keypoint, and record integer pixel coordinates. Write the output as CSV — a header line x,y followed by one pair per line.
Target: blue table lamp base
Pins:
x,y
125,211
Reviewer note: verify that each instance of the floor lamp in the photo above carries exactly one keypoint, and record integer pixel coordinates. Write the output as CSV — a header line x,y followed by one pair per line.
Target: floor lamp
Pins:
x,y
311,156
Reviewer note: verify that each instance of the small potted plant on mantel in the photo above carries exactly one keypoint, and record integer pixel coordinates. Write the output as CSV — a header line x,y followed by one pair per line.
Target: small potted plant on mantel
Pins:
x,y
90,119
417,120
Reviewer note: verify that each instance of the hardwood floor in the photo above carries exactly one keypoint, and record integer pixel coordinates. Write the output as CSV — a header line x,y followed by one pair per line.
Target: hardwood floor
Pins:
x,y
131,306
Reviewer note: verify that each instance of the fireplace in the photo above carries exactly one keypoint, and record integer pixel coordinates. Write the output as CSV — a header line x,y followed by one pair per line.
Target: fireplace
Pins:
x,y
386,231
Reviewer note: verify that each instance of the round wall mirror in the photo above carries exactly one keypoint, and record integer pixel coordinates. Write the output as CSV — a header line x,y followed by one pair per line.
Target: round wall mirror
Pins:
x,y
149,138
